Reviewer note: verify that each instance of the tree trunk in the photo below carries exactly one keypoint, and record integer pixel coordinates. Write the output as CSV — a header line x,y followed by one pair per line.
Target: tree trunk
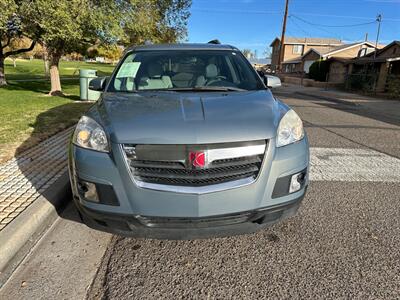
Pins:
x,y
2,71
46,61
46,66
54,60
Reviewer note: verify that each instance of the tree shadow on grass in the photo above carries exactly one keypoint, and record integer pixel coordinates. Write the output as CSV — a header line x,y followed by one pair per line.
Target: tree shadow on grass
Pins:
x,y
70,87
42,158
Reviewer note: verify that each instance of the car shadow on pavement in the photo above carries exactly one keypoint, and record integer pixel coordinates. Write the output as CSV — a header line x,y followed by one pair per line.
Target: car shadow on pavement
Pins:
x,y
41,160
373,110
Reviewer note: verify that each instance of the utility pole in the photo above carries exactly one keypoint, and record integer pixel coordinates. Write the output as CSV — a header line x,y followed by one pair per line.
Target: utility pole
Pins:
x,y
379,20
282,49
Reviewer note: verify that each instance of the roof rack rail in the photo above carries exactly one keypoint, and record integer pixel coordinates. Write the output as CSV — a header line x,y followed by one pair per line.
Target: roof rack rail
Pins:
x,y
215,42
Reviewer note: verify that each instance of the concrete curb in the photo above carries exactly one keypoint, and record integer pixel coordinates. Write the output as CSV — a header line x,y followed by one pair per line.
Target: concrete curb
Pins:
x,y
331,99
18,237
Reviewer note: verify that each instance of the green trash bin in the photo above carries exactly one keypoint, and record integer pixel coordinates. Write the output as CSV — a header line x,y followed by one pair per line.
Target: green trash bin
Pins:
x,y
85,76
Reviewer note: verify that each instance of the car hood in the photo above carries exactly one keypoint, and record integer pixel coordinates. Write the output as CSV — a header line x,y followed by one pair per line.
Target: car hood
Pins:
x,y
189,118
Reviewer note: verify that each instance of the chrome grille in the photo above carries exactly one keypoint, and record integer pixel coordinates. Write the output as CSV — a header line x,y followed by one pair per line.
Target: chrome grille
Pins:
x,y
163,167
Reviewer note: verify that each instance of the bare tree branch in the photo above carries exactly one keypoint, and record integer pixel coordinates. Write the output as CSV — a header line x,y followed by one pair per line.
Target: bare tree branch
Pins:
x,y
8,42
15,52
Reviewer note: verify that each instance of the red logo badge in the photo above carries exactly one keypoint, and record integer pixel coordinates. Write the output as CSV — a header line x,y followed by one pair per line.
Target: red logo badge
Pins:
x,y
197,159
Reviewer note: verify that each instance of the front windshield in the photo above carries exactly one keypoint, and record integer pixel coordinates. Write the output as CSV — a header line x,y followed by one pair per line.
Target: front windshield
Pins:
x,y
185,70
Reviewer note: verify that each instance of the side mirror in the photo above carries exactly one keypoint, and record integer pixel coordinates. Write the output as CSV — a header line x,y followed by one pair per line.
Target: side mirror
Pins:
x,y
272,81
98,84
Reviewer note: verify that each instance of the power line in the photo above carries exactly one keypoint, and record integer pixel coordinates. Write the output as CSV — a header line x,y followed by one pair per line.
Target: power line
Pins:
x,y
307,33
345,17
324,25
225,11
264,12
330,33
299,27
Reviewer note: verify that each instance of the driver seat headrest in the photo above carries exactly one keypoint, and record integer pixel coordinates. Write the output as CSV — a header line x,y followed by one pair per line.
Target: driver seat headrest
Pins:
x,y
211,71
154,70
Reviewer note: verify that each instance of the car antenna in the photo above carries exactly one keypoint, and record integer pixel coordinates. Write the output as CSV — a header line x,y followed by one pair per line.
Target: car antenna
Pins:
x,y
215,42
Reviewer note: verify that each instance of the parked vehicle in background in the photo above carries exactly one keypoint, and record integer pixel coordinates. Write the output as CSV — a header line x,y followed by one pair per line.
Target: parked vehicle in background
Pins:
x,y
187,141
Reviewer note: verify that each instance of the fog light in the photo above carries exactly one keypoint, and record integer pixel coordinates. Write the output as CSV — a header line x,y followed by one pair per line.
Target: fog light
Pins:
x,y
296,182
88,191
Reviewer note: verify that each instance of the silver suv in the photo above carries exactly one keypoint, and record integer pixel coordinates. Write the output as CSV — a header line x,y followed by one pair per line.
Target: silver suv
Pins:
x,y
187,141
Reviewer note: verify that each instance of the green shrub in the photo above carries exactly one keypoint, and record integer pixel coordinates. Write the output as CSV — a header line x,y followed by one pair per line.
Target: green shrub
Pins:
x,y
393,86
318,70
361,82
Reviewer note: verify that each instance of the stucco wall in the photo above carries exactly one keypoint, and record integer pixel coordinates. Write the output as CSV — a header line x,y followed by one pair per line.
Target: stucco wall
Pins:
x,y
311,56
349,53
337,72
382,76
289,51
275,54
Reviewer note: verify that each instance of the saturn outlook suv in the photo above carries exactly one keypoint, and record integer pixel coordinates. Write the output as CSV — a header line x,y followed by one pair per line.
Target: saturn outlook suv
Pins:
x,y
187,141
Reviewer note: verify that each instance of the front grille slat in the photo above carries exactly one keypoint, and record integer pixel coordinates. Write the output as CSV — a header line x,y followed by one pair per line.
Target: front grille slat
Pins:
x,y
236,161
157,164
195,174
178,173
194,182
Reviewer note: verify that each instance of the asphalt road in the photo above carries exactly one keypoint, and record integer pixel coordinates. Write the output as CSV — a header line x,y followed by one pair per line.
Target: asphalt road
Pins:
x,y
343,243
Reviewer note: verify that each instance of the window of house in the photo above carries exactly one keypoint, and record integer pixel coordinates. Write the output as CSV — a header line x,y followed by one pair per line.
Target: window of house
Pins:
x,y
297,49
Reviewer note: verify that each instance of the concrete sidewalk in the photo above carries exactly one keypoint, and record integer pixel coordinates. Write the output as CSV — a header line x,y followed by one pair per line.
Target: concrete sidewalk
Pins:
x,y
32,187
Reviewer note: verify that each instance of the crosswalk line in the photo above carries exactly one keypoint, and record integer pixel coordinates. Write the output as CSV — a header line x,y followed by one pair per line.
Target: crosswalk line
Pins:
x,y
340,164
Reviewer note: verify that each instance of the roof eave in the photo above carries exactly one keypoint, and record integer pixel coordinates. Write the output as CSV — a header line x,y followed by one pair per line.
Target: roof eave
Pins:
x,y
274,41
347,48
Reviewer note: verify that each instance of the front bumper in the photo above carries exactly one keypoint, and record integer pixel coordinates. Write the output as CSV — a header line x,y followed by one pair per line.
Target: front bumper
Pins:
x,y
188,228
144,213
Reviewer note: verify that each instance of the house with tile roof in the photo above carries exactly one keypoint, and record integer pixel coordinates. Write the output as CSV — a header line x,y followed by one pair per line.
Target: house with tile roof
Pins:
x,y
296,47
344,51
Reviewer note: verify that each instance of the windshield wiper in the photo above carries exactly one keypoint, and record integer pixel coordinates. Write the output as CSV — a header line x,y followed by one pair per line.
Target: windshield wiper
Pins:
x,y
207,89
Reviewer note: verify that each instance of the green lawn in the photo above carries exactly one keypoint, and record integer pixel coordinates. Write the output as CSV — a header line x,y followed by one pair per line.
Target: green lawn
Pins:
x,y
28,115
34,69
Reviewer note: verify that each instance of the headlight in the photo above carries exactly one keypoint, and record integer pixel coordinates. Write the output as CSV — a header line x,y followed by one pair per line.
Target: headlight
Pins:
x,y
89,134
290,129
